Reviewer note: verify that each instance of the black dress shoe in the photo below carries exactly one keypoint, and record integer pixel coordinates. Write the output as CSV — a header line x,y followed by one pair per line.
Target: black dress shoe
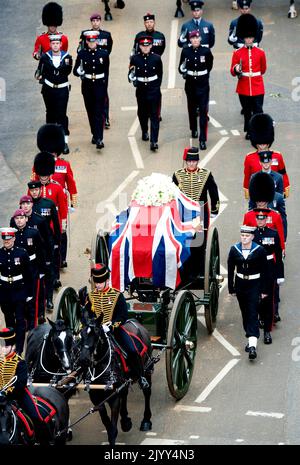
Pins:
x,y
194,134
202,145
56,284
247,348
99,144
107,123
93,141
276,318
267,338
145,136
252,353
247,136
153,146
66,149
64,264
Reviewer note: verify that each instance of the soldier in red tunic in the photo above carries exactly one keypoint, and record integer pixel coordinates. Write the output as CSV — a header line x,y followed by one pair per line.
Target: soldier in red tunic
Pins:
x,y
52,17
261,132
50,138
249,64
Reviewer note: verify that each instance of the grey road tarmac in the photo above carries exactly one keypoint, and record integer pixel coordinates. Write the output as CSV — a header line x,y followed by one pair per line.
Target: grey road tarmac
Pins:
x,y
230,401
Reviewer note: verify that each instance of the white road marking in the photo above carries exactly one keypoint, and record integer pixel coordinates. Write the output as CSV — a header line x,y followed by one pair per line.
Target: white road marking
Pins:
x,y
214,150
265,414
212,102
223,132
223,270
240,440
136,153
160,442
222,197
122,186
111,208
221,209
214,122
133,128
129,108
205,393
191,408
235,132
193,436
172,55
150,433
221,339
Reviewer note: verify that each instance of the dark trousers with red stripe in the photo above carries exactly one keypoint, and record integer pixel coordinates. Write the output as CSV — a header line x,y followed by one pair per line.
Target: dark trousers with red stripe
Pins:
x,y
133,357
197,101
14,314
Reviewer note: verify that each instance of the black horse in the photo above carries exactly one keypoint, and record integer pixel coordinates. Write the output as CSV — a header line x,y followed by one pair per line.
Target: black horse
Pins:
x,y
118,4
16,428
50,352
104,363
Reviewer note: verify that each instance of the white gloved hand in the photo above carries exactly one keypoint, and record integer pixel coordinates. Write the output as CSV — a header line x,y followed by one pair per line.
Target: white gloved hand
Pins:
x,y
280,281
28,299
80,71
71,209
182,37
106,327
42,275
233,38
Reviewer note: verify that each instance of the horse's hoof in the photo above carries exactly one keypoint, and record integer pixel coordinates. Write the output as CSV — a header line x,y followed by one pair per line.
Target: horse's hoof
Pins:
x,y
146,425
69,435
126,425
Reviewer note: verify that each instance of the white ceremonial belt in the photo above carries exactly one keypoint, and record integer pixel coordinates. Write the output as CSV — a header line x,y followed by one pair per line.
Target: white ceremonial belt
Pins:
x,y
197,73
10,279
252,74
94,76
248,276
147,79
56,86
32,257
270,257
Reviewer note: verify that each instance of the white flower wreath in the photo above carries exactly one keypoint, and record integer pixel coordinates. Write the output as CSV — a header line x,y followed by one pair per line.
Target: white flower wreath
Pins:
x,y
155,190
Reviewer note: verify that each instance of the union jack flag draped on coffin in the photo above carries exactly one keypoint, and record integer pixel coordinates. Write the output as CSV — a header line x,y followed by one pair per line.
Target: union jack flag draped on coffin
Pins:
x,y
153,241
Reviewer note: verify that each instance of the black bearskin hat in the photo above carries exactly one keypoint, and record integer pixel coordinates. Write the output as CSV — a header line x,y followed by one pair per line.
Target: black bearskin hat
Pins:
x,y
52,14
51,138
246,26
44,164
262,187
261,129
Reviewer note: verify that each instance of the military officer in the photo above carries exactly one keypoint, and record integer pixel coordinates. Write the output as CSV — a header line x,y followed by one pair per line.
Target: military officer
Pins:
x,y
159,40
52,17
50,138
249,64
195,65
145,72
269,239
248,280
265,160
30,239
105,42
206,29
16,284
111,303
47,209
238,42
92,65
52,72
261,194
261,133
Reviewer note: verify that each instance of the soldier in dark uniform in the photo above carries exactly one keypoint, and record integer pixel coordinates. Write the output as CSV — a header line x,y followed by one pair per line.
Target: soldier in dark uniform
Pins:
x,y
269,239
105,42
47,209
145,72
250,282
52,17
92,66
205,28
238,42
111,303
52,72
16,284
159,40
12,364
195,64
30,239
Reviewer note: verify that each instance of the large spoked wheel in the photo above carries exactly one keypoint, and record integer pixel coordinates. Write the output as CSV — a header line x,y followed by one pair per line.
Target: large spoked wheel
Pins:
x,y
99,249
181,344
67,308
211,279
